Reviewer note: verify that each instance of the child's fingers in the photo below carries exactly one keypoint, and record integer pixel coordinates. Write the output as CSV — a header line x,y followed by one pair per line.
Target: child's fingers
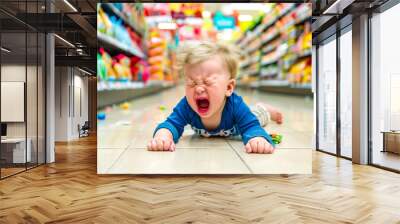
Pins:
x,y
260,146
166,145
160,146
272,149
149,146
248,148
265,147
253,145
153,145
173,146
269,148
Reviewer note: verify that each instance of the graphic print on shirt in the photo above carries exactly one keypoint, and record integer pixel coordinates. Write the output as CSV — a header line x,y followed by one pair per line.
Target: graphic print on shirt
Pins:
x,y
223,132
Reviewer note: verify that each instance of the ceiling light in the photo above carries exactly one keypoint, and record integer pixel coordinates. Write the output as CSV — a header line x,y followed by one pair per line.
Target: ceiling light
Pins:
x,y
64,40
84,71
70,5
5,49
245,18
167,26
337,7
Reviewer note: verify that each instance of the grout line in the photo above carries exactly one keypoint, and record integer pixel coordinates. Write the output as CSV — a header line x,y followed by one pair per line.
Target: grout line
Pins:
x,y
108,170
244,162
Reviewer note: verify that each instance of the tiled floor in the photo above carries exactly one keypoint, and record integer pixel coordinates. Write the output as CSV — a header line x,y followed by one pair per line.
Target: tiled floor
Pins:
x,y
123,136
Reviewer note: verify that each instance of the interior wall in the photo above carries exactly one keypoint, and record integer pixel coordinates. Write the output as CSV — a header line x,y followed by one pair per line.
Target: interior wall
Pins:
x,y
71,102
92,100
15,73
62,81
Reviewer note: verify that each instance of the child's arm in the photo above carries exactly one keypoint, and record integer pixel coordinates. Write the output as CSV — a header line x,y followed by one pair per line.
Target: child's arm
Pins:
x,y
162,141
254,137
168,132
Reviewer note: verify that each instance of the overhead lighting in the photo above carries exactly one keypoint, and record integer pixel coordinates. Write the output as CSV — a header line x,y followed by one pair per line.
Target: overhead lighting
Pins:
x,y
337,7
194,21
245,18
5,49
64,40
206,14
70,5
246,7
84,71
167,26
227,11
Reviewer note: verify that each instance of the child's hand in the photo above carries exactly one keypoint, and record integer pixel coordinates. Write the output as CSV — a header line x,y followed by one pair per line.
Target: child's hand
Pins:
x,y
162,141
259,145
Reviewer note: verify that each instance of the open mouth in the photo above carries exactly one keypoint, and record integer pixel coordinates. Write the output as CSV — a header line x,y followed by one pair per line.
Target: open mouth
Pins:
x,y
203,105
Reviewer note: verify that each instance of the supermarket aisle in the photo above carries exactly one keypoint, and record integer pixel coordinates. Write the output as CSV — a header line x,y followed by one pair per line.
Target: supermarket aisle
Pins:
x,y
123,136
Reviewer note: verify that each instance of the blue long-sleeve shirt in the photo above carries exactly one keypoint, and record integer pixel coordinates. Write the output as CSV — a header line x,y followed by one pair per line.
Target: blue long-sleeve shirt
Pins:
x,y
237,119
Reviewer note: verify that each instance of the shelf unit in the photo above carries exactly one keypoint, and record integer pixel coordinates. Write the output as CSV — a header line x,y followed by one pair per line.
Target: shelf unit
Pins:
x,y
120,15
261,27
282,86
114,45
108,97
112,92
272,41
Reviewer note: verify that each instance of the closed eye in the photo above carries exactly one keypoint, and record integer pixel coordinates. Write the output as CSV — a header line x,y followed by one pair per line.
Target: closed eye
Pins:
x,y
190,83
209,82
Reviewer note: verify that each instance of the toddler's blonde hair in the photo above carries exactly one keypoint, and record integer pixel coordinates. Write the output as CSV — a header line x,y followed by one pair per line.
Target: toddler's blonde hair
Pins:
x,y
193,52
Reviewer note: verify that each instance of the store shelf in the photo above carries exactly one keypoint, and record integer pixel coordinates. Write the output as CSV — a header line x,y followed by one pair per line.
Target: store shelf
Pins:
x,y
114,45
303,20
268,49
278,86
304,54
245,63
273,37
298,57
120,15
262,27
250,51
268,74
265,63
253,72
284,87
108,97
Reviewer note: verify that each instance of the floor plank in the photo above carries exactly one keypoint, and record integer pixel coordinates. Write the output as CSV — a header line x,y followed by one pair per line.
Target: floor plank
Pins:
x,y
70,191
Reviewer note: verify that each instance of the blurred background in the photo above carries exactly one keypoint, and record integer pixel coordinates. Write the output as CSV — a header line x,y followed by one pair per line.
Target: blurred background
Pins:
x,y
138,41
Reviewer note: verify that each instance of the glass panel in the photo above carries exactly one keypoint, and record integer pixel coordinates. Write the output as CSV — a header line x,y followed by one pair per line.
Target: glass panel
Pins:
x,y
327,96
31,98
13,86
41,99
346,94
385,89
32,85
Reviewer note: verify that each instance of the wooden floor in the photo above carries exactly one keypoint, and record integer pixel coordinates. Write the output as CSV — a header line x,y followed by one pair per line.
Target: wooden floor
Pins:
x,y
70,191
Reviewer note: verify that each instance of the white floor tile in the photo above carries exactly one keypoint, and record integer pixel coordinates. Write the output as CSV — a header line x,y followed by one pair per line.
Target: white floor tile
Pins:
x,y
183,161
282,161
106,158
